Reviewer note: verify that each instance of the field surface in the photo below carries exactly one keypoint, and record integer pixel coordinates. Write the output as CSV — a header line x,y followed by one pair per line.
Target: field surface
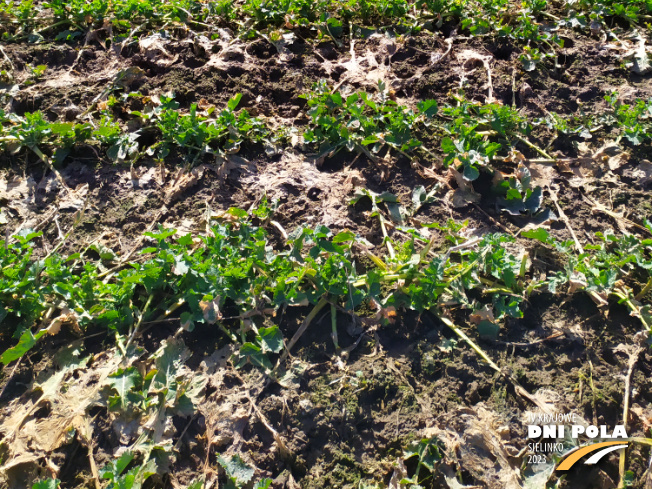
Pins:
x,y
334,244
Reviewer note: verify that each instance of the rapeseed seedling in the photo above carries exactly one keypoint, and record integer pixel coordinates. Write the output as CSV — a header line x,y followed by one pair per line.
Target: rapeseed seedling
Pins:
x,y
361,122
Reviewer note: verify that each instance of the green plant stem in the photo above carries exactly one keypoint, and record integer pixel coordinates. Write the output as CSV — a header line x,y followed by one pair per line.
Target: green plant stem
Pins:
x,y
410,158
140,320
470,342
377,261
427,151
368,154
390,277
57,24
302,329
362,279
47,161
644,291
501,290
550,16
533,146
334,329
228,333
465,270
636,310
390,248
642,441
523,269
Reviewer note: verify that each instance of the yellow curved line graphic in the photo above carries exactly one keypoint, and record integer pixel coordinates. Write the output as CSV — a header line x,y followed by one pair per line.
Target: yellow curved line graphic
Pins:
x,y
578,454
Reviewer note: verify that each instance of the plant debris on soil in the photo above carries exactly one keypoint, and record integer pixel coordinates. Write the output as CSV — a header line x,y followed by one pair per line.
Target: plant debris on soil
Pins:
x,y
337,244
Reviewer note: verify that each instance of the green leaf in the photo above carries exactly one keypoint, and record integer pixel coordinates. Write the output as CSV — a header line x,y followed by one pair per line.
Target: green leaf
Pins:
x,y
194,389
25,343
180,266
370,103
539,234
369,140
489,330
105,252
533,202
343,237
351,99
47,484
236,470
428,108
26,235
470,173
61,128
386,197
271,338
65,290
513,206
427,451
507,305
198,484
168,361
185,240
361,193
447,345
447,145
134,478
233,103
235,212
491,148
123,381
335,26
420,197
187,321
117,467
528,63
263,484
113,152
629,478
162,235
513,194
395,212
254,354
